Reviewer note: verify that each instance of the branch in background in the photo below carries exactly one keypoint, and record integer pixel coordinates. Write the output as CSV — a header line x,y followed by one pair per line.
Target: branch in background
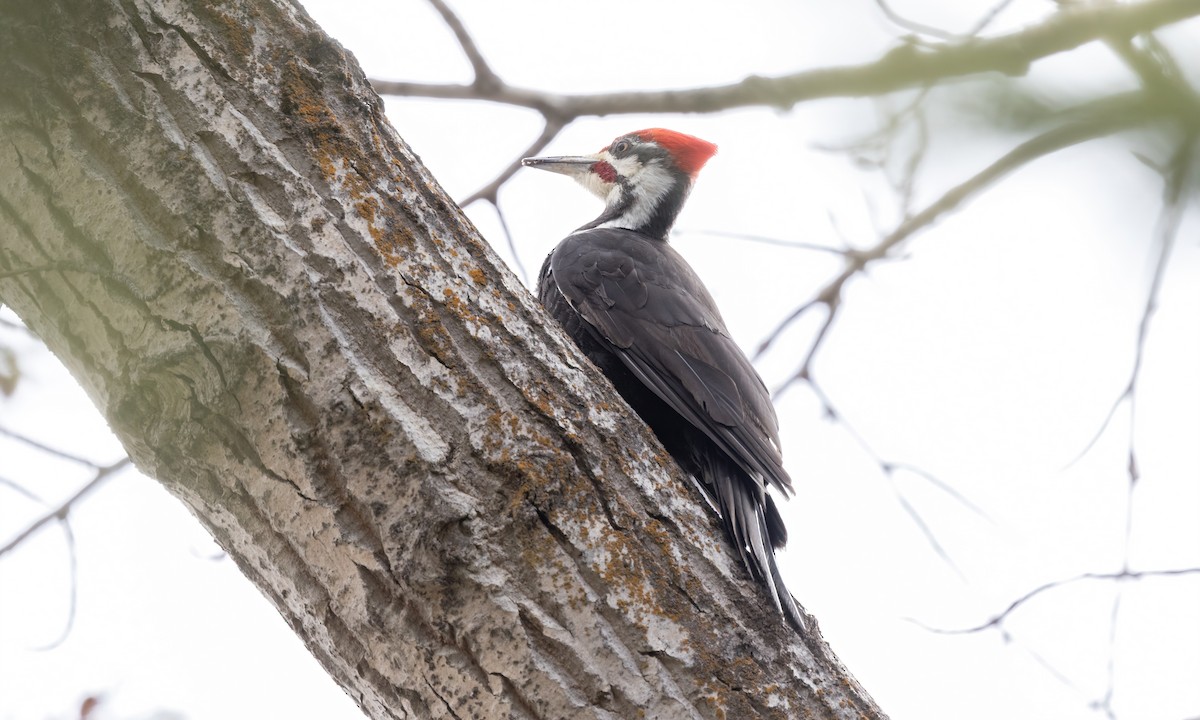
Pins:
x,y
943,35
42,447
60,513
73,597
1093,120
1176,176
485,77
1160,73
1086,122
777,242
997,620
512,246
903,67
64,508
890,470
490,192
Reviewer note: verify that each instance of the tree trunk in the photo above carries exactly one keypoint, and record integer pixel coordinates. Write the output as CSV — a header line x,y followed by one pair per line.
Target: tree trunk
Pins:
x,y
204,213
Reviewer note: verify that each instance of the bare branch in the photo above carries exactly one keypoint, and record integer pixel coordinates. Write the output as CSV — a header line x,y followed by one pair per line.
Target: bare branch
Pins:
x,y
777,242
21,490
72,604
1105,703
48,449
911,25
512,246
998,619
491,191
831,299
941,485
1159,72
903,67
987,18
1168,230
889,470
927,531
73,559
64,508
945,35
485,78
1089,121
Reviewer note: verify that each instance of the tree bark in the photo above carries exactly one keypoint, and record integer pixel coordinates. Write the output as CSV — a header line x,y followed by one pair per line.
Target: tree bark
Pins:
x,y
205,214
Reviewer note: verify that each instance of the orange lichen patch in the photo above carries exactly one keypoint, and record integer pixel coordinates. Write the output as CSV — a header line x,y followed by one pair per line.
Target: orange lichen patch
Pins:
x,y
238,33
466,312
301,101
343,159
479,276
453,301
433,337
368,207
716,698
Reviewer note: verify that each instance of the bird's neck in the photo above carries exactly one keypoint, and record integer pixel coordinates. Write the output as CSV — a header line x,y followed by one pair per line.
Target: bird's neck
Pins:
x,y
649,206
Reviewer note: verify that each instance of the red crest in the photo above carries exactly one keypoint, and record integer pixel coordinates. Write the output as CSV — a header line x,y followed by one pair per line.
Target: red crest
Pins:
x,y
689,152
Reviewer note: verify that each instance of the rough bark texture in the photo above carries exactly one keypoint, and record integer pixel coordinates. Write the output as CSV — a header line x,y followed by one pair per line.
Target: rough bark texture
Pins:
x,y
205,214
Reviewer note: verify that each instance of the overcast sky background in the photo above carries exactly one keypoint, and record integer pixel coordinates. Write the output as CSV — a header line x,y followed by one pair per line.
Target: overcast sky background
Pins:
x,y
988,358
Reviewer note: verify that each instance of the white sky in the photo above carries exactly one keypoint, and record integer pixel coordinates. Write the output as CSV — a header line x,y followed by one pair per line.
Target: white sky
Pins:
x,y
988,358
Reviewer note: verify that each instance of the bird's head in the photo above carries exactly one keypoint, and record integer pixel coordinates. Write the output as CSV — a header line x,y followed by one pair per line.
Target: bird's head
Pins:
x,y
643,177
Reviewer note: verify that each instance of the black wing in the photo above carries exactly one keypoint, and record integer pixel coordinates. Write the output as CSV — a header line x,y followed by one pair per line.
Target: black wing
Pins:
x,y
648,304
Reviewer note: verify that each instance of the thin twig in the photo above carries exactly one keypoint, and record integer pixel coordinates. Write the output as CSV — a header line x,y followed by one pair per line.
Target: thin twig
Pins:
x,y
49,450
889,469
73,561
1162,74
21,490
913,26
512,246
943,486
484,76
61,511
1105,703
831,300
73,567
998,619
987,18
490,192
1088,121
777,242
944,35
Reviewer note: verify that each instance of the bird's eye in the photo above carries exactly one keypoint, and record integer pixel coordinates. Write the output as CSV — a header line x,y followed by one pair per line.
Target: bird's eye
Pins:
x,y
620,148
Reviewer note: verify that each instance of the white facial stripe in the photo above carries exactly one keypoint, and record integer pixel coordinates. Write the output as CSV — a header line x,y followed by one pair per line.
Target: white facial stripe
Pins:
x,y
626,167
584,175
649,184
596,186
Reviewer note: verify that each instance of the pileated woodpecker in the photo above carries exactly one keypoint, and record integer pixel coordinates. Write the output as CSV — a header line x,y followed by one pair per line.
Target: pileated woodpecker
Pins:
x,y
640,313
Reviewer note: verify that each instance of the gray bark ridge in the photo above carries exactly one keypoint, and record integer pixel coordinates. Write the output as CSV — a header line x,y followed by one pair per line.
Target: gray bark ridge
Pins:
x,y
204,213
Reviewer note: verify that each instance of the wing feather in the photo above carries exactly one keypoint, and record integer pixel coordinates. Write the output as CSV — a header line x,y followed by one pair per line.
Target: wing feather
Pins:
x,y
641,297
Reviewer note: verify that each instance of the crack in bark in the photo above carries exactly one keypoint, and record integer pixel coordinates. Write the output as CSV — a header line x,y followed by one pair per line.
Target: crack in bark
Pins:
x,y
197,49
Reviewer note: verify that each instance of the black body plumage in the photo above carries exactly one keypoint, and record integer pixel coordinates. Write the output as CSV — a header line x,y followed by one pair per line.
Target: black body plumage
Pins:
x,y
642,315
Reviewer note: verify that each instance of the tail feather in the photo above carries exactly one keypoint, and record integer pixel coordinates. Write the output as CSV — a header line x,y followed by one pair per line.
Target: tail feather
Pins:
x,y
754,525
790,610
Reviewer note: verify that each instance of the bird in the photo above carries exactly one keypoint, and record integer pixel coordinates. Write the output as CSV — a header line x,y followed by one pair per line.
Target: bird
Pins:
x,y
640,313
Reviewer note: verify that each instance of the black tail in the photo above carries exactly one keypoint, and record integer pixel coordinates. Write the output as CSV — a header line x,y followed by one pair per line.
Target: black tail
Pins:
x,y
754,525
